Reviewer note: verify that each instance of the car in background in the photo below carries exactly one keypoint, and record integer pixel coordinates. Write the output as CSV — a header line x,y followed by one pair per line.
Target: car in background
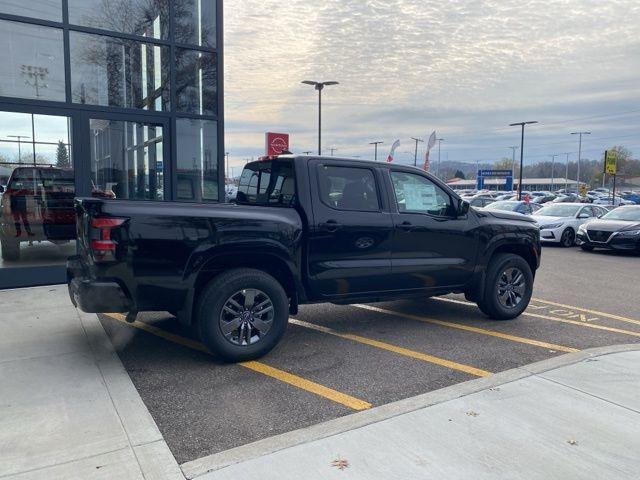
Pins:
x,y
480,201
517,206
631,196
570,198
559,222
546,197
37,205
617,230
611,201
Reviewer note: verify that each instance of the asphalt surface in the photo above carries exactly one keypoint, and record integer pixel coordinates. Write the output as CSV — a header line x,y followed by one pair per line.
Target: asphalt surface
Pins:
x,y
375,354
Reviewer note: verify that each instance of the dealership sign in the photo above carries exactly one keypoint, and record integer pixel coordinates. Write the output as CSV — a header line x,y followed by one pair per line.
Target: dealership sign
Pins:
x,y
276,143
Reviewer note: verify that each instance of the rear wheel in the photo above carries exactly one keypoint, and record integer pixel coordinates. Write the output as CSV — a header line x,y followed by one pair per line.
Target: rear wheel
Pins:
x,y
10,249
568,238
242,314
508,287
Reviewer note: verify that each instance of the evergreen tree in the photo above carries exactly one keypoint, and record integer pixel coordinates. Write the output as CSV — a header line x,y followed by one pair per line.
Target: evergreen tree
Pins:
x,y
62,156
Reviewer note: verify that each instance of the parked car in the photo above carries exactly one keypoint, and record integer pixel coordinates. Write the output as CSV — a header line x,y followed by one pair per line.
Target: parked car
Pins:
x,y
545,198
559,222
304,230
522,207
480,201
611,201
37,205
617,230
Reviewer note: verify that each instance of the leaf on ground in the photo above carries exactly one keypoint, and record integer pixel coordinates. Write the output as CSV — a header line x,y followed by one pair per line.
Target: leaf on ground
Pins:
x,y
341,463
471,413
572,441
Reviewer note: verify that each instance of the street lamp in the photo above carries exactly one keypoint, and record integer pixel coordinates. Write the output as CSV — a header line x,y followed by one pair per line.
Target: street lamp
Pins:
x,y
439,140
553,162
521,124
319,86
579,154
375,145
513,159
415,155
19,137
566,175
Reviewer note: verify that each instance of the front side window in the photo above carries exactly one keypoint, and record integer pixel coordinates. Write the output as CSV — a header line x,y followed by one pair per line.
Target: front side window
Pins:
x,y
418,194
347,188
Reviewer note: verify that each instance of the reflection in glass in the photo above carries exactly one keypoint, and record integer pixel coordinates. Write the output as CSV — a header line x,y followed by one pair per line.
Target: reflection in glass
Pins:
x,y
197,146
44,9
148,18
32,61
37,222
195,22
126,160
196,82
118,72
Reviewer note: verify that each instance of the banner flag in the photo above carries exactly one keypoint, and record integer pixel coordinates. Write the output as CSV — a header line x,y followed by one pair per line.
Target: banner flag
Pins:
x,y
395,145
430,144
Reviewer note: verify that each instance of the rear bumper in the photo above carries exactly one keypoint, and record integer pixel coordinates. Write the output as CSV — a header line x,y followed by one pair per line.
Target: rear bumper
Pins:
x,y
94,296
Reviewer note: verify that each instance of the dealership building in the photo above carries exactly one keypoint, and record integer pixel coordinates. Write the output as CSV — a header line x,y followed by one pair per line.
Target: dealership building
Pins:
x,y
109,98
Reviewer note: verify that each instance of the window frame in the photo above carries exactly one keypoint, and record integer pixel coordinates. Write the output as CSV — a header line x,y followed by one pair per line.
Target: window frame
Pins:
x,y
426,177
376,180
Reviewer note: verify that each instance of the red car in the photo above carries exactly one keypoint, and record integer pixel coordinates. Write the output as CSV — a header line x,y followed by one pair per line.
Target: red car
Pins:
x,y
37,205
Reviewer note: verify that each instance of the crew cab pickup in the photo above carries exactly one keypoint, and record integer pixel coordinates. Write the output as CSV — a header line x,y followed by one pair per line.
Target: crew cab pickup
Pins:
x,y
302,230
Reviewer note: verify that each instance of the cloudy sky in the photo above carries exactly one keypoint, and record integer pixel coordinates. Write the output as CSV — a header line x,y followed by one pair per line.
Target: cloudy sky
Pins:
x,y
407,67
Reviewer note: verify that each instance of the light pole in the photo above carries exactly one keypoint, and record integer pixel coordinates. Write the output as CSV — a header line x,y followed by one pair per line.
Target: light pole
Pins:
x,y
439,140
333,150
415,155
319,86
513,159
521,124
566,175
375,145
553,162
226,163
19,137
579,155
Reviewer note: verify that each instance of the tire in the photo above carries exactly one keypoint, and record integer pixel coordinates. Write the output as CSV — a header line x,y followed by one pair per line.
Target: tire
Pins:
x,y
586,248
10,250
568,238
507,269
233,289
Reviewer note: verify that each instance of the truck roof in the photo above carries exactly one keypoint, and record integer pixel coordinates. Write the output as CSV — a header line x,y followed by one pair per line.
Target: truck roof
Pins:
x,y
302,158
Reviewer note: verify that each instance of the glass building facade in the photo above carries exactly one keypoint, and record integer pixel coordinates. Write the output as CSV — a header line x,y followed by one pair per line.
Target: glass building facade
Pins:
x,y
117,99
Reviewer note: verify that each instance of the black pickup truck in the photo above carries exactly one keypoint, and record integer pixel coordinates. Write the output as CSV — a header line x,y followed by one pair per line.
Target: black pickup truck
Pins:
x,y
303,230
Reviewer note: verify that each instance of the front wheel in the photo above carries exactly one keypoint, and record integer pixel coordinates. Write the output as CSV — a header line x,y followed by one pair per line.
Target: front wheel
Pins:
x,y
568,238
242,314
508,287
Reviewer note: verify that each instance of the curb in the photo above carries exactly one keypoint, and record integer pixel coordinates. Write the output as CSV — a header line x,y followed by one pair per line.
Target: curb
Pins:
x,y
147,444
354,421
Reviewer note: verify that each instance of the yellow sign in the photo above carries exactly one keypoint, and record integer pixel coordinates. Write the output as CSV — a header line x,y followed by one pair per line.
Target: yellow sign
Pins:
x,y
611,162
583,189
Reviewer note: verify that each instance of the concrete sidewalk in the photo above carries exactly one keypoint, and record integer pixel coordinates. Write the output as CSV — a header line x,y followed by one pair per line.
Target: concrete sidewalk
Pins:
x,y
67,407
571,417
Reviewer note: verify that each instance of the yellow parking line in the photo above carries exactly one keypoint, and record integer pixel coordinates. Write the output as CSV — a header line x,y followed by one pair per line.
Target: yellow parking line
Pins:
x,y
395,349
286,377
469,328
586,310
555,319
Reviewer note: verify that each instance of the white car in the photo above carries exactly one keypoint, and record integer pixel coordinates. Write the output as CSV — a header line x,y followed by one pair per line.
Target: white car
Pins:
x,y
609,201
559,222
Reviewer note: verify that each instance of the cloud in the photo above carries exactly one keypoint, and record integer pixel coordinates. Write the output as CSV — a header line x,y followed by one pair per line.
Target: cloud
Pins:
x,y
466,68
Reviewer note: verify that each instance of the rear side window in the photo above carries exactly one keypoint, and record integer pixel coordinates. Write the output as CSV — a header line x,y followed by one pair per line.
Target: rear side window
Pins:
x,y
348,188
267,183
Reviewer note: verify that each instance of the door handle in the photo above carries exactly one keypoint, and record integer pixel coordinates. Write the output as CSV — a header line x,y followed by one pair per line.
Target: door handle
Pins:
x,y
406,226
331,225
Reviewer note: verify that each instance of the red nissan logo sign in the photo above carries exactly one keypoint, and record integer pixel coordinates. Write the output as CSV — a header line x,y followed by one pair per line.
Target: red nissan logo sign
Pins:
x,y
276,143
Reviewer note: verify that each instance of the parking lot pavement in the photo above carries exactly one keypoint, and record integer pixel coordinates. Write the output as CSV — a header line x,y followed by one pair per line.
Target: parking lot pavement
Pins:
x,y
337,360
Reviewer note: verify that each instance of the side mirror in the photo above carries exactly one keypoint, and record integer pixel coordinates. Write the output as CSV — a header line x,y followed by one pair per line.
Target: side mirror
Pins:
x,y
584,215
463,208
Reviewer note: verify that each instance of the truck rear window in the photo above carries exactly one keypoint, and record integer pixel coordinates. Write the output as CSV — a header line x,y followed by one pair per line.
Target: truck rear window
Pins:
x,y
267,183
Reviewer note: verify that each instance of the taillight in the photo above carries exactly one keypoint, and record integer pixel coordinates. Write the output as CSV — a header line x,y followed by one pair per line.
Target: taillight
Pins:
x,y
103,245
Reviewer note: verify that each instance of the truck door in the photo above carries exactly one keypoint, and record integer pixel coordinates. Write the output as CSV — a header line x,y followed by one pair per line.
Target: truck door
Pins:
x,y
349,249
432,247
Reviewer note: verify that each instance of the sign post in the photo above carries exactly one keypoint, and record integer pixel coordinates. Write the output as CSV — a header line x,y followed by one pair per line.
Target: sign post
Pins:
x,y
611,168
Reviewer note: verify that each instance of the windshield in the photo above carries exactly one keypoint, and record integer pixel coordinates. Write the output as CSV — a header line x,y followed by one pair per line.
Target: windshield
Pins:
x,y
559,210
629,214
509,206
